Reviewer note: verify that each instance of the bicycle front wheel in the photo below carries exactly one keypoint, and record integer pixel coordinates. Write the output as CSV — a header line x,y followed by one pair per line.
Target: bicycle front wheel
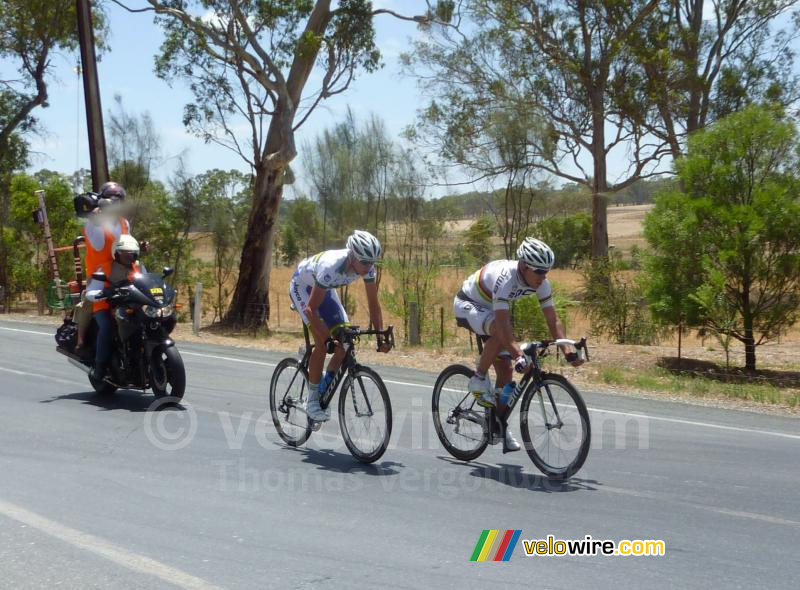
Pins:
x,y
365,414
554,424
288,390
460,422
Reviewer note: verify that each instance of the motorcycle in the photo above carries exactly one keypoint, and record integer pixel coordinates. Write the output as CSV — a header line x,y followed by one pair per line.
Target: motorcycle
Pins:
x,y
143,354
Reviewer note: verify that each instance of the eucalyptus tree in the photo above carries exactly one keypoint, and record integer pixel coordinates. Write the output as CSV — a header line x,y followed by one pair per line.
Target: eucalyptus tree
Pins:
x,y
696,61
251,62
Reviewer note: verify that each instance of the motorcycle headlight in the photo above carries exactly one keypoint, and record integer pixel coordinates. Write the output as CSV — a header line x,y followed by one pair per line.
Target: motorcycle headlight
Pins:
x,y
151,311
166,311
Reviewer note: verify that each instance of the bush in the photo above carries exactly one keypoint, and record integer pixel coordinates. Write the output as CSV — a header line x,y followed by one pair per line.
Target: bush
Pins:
x,y
615,300
528,319
569,237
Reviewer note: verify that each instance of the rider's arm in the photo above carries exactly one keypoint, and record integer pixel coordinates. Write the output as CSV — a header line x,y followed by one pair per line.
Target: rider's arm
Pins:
x,y
375,313
93,293
505,332
318,327
94,231
557,331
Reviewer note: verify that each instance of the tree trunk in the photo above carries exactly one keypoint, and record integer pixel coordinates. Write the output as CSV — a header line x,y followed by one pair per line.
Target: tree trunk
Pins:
x,y
600,181
250,303
749,346
599,224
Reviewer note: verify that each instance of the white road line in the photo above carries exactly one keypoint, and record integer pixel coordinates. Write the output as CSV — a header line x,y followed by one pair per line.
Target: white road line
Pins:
x,y
229,358
28,331
120,556
703,424
424,386
661,497
48,377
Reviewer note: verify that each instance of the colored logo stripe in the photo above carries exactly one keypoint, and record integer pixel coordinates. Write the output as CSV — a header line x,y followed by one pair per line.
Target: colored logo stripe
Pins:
x,y
495,545
485,293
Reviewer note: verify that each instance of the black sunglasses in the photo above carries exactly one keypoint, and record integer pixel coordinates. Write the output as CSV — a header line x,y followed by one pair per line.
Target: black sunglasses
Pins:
x,y
538,271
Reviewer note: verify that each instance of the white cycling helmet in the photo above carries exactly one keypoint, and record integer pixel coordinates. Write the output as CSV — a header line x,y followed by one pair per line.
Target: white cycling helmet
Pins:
x,y
536,254
364,246
125,243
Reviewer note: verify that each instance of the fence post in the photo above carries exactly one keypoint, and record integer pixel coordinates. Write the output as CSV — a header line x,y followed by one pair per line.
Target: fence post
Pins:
x,y
198,307
413,323
441,327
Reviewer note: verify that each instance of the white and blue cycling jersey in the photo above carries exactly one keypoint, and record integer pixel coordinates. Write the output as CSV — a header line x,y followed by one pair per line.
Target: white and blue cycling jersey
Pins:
x,y
328,270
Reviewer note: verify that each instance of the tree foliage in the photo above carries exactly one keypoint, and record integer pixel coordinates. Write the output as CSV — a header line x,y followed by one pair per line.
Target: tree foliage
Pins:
x,y
251,61
741,216
558,66
699,60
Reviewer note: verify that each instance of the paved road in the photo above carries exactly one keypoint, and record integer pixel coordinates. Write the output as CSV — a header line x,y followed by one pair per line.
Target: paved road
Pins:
x,y
91,496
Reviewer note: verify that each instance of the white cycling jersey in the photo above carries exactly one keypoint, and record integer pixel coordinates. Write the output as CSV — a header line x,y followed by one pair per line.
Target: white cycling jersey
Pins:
x,y
328,270
498,283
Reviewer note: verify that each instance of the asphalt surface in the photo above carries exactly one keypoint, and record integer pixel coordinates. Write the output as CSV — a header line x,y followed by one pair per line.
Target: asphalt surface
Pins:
x,y
106,493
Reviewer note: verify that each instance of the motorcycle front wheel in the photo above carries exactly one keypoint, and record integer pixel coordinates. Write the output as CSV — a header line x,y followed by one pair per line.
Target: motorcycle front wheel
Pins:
x,y
167,374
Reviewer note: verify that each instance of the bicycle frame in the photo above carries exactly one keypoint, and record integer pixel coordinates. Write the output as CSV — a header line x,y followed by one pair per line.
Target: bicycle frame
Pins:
x,y
348,335
534,377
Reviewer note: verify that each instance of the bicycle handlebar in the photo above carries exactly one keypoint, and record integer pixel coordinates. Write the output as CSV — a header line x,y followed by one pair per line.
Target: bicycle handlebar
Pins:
x,y
578,344
384,336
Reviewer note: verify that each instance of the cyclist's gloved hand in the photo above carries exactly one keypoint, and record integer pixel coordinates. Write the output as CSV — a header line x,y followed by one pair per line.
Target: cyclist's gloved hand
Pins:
x,y
574,359
521,363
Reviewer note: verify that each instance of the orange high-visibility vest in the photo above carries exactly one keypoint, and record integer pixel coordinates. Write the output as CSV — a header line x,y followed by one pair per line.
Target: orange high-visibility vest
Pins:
x,y
102,259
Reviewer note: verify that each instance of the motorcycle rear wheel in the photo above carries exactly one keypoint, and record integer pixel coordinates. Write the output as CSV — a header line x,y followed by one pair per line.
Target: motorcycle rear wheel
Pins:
x,y
102,387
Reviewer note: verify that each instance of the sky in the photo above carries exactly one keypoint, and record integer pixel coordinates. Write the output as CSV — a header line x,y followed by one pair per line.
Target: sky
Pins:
x,y
127,69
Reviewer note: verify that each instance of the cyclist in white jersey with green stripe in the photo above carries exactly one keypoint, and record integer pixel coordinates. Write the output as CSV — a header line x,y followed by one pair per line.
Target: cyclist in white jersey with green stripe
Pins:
x,y
482,306
312,290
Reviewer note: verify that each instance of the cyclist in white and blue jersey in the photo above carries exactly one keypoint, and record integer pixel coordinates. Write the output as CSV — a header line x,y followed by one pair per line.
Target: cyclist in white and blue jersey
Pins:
x,y
483,306
312,290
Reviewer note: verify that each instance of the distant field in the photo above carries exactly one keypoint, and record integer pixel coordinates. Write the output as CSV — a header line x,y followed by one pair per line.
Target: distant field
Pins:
x,y
625,226
624,230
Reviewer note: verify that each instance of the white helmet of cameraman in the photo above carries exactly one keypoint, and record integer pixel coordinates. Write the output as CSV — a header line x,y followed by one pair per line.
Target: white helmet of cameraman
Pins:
x,y
125,243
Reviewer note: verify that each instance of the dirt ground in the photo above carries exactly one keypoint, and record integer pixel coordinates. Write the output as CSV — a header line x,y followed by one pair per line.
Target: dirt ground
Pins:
x,y
779,363
778,360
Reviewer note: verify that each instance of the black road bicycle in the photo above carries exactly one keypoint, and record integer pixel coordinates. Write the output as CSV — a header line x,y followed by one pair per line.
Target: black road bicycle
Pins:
x,y
554,421
365,412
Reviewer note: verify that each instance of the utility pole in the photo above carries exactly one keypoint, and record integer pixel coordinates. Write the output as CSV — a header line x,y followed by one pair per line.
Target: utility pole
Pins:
x,y
91,91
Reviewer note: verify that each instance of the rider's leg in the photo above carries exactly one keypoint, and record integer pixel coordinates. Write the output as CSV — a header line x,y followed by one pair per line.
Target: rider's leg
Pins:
x,y
334,315
105,340
316,360
337,359
504,372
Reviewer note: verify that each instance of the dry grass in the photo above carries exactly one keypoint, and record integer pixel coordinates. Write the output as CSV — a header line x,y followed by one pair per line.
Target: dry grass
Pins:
x,y
614,367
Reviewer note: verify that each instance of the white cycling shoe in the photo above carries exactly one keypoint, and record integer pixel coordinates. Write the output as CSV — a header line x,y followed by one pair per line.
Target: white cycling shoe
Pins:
x,y
315,411
510,443
482,391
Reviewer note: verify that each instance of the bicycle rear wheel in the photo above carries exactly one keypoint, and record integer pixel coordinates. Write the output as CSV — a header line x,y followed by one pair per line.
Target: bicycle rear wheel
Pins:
x,y
365,414
460,422
288,389
554,424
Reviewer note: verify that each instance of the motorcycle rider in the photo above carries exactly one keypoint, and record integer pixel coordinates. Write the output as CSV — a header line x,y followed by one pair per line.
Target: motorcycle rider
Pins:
x,y
101,231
